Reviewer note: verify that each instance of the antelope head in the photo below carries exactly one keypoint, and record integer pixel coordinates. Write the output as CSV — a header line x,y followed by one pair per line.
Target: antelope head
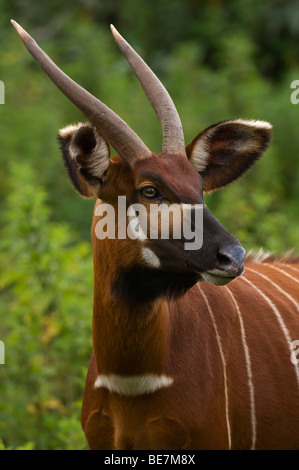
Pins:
x,y
178,175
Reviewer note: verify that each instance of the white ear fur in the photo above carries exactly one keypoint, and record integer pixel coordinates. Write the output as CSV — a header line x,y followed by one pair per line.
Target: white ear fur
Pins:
x,y
68,131
86,156
200,153
98,158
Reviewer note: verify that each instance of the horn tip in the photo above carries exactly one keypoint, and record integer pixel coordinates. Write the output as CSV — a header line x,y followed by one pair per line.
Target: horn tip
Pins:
x,y
22,33
115,33
16,25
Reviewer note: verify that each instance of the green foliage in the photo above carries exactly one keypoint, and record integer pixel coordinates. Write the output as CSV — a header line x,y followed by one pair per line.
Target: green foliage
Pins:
x,y
219,60
46,302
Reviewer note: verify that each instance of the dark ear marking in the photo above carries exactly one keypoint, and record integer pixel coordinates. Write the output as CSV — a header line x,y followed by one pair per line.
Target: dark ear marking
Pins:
x,y
226,150
86,156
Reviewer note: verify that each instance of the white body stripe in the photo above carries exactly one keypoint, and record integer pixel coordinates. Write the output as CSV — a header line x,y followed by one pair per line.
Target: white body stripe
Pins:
x,y
275,285
135,385
224,366
283,272
249,373
280,321
292,268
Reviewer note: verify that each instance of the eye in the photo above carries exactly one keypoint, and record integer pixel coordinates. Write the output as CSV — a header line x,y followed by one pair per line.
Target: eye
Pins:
x,y
150,192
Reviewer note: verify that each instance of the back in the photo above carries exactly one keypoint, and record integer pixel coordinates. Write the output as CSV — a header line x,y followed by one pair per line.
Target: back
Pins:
x,y
256,323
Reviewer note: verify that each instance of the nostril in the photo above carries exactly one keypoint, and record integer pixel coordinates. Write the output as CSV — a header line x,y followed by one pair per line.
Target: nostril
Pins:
x,y
224,259
231,257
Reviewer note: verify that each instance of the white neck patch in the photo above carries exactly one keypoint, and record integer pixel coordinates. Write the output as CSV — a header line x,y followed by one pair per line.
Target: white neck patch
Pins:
x,y
133,385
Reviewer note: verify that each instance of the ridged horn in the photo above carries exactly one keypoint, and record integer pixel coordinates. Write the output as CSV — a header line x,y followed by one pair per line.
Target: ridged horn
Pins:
x,y
109,125
173,136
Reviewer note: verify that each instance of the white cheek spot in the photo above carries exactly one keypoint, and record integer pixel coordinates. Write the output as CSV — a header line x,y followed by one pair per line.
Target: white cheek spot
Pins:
x,y
137,222
135,231
150,258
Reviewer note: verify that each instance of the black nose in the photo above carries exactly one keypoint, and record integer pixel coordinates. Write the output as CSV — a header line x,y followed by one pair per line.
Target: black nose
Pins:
x,y
231,259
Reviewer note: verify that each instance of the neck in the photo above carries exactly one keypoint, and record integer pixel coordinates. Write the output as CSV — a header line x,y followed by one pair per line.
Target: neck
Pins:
x,y
129,338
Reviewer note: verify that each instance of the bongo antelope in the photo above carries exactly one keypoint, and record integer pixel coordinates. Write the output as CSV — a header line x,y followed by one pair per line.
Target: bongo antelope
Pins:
x,y
187,353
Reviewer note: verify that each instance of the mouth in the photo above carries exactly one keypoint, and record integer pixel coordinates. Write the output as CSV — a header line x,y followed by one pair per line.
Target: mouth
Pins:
x,y
217,277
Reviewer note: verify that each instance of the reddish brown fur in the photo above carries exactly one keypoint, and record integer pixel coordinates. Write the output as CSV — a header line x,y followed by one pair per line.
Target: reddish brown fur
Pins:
x,y
208,406
182,343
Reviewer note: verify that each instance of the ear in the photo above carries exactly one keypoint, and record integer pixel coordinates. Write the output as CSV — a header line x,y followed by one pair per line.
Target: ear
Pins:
x,y
224,151
86,156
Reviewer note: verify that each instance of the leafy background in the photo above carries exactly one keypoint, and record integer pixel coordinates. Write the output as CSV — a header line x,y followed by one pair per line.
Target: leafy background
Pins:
x,y
219,60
